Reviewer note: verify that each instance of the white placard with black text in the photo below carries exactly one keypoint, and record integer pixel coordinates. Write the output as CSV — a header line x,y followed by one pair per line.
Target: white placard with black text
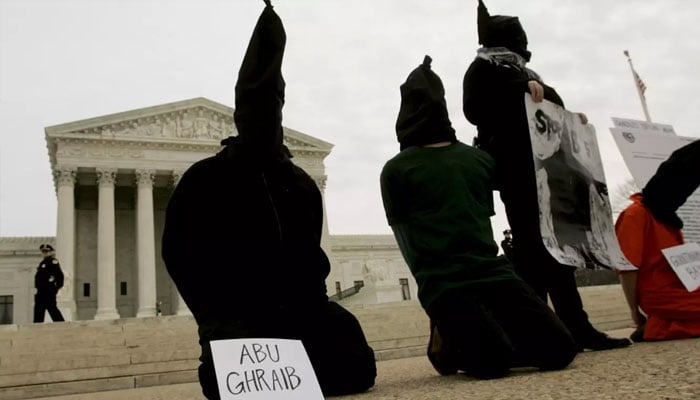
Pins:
x,y
636,126
685,262
643,153
264,369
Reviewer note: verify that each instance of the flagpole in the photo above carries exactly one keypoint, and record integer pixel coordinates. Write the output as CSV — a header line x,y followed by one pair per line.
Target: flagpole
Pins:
x,y
635,77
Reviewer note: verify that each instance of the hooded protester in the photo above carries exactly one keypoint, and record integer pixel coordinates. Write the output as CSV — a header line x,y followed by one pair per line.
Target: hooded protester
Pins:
x,y
494,88
242,237
647,226
437,195
423,115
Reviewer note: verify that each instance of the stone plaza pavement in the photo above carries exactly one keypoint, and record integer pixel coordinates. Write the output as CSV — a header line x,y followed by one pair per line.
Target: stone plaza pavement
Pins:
x,y
660,371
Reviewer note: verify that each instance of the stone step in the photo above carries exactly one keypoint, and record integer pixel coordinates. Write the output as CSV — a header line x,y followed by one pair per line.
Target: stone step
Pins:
x,y
375,333
168,325
132,332
399,343
37,378
58,343
91,358
30,344
63,345
405,352
86,356
92,385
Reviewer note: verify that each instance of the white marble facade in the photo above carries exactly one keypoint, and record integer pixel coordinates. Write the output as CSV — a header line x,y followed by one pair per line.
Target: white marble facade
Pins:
x,y
113,177
374,260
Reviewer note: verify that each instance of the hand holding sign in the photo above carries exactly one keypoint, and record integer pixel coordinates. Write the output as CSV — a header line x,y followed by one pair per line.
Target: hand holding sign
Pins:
x,y
264,369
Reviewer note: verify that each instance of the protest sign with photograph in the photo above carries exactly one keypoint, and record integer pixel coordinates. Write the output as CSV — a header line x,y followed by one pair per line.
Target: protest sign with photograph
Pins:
x,y
575,213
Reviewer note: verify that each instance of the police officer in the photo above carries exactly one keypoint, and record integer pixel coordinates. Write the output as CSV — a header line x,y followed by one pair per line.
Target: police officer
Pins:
x,y
47,281
507,244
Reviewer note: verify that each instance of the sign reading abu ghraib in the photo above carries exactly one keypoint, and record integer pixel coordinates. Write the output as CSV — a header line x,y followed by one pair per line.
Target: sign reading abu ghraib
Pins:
x,y
264,369
575,214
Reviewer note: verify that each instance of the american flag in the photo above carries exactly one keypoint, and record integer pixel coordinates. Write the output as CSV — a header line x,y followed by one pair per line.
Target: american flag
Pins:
x,y
640,83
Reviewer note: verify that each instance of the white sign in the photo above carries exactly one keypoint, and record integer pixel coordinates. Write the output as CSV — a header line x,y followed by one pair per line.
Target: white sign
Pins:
x,y
637,126
264,369
643,153
685,261
575,214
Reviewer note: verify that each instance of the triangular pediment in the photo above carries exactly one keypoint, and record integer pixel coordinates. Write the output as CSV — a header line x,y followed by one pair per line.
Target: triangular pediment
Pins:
x,y
197,119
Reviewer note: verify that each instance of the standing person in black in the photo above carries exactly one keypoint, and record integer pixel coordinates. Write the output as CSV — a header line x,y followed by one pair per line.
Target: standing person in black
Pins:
x,y
494,88
47,281
242,237
507,244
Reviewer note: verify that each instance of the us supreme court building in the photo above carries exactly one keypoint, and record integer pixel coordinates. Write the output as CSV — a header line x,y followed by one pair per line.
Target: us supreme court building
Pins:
x,y
113,177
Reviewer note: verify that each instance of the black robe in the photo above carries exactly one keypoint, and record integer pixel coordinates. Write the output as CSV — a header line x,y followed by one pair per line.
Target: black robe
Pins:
x,y
242,238
243,241
494,102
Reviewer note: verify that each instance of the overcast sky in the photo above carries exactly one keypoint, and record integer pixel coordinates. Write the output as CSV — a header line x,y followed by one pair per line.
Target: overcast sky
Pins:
x,y
67,60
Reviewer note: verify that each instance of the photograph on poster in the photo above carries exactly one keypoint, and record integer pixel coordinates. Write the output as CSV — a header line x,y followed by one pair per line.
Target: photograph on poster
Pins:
x,y
575,212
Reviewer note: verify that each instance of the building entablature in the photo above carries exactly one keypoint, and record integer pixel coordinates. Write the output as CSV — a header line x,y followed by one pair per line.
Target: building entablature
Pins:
x,y
165,139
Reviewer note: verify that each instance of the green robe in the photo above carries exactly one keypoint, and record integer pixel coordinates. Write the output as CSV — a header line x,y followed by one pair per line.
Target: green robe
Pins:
x,y
439,202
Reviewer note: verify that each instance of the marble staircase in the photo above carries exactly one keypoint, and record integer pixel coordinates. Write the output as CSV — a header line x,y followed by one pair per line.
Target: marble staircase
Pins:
x,y
41,360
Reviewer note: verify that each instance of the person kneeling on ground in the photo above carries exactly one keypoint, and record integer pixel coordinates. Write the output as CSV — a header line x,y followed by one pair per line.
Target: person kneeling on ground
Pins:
x,y
242,237
646,227
437,195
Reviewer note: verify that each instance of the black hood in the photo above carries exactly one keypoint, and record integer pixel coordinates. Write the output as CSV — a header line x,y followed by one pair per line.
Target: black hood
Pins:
x,y
423,117
674,181
501,31
260,90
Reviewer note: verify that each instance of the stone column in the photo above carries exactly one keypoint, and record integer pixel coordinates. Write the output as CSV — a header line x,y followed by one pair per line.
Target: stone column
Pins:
x,y
65,239
145,244
325,235
182,308
106,246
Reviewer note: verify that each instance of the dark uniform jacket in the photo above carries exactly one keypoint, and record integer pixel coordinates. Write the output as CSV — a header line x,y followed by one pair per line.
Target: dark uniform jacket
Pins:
x,y
507,246
48,277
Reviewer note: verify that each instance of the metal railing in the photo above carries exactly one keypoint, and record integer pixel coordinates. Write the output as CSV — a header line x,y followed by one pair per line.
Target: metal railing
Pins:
x,y
347,292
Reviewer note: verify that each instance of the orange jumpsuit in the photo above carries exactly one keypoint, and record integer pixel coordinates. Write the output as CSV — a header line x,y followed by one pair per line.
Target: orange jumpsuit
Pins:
x,y
673,312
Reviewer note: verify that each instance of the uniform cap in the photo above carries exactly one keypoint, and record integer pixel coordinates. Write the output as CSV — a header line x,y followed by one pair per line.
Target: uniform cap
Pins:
x,y
47,247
